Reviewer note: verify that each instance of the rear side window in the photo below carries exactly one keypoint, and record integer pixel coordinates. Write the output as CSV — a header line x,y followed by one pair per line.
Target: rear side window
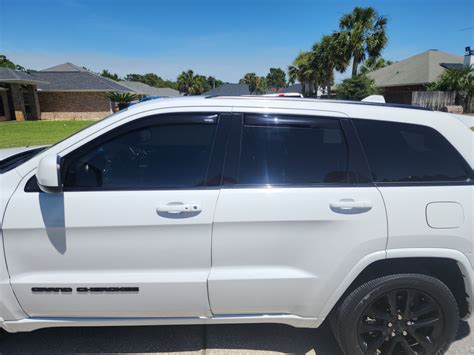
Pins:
x,y
285,153
400,152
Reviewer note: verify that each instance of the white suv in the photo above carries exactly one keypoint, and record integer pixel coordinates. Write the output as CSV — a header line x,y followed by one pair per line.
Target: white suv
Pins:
x,y
243,210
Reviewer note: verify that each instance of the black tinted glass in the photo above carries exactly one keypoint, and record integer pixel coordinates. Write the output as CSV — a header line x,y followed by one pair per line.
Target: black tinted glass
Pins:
x,y
292,155
155,156
399,152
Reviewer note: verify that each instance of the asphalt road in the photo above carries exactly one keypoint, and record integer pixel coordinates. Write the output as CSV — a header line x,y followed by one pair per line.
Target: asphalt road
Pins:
x,y
219,339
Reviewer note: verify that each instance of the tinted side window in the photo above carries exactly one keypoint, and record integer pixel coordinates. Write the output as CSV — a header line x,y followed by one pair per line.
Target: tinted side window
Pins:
x,y
399,152
152,156
281,155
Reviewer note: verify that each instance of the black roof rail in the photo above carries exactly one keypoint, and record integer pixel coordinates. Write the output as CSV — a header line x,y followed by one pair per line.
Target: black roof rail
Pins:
x,y
348,102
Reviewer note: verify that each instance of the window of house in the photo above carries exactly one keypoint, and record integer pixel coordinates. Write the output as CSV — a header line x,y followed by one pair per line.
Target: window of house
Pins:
x,y
399,152
2,106
285,154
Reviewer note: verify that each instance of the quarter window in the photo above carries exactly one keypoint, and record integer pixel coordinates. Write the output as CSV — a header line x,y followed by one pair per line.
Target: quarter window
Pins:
x,y
286,153
400,152
156,155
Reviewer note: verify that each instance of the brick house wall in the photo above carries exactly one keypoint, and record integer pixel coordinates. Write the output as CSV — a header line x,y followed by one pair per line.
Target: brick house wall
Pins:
x,y
73,105
400,94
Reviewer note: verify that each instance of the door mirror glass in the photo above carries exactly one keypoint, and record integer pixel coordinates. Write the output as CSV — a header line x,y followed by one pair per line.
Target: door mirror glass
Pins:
x,y
48,175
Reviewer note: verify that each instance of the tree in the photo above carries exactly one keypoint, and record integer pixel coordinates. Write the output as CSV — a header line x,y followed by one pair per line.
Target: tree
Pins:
x,y
262,85
356,88
251,79
276,78
303,71
122,98
459,80
134,77
191,84
151,79
7,63
212,82
329,54
372,64
364,33
106,74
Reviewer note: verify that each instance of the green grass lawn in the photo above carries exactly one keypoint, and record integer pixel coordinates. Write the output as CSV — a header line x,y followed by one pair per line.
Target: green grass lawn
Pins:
x,y
18,134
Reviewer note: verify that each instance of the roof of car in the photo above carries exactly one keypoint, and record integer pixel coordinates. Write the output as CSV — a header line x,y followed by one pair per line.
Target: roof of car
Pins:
x,y
454,130
303,99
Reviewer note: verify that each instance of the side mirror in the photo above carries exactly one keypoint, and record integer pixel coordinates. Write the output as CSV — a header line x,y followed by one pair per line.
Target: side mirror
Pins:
x,y
48,174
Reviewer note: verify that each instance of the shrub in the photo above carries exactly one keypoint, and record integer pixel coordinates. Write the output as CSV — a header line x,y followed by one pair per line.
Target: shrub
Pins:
x,y
356,88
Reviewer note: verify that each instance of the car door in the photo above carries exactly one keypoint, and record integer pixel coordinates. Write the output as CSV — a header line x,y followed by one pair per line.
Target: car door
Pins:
x,y
296,213
130,235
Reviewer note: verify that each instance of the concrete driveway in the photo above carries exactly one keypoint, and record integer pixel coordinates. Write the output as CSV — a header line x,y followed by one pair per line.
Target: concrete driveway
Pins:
x,y
222,339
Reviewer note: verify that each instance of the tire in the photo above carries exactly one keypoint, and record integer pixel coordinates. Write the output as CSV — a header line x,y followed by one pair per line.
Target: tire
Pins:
x,y
375,318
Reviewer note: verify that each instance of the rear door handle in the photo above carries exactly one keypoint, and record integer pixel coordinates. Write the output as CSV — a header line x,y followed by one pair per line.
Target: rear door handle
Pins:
x,y
349,205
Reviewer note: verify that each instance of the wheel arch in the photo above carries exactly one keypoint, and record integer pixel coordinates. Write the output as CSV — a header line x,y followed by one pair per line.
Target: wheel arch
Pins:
x,y
450,266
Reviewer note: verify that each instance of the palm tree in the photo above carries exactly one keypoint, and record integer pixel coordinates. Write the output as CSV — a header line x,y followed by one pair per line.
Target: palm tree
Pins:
x,y
185,82
329,54
198,85
364,32
122,98
458,80
302,70
252,80
261,85
191,84
372,64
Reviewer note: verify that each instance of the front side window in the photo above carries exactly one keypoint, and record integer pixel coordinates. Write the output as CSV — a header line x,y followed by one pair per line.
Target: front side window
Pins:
x,y
293,154
400,152
156,155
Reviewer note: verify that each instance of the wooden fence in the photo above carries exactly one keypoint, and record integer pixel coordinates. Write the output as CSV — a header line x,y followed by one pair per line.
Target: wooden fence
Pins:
x,y
433,99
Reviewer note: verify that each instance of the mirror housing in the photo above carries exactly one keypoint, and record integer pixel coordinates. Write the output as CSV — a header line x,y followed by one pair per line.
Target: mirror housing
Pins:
x,y
48,174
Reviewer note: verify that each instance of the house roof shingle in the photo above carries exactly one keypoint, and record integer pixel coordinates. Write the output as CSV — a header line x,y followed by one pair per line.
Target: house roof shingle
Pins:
x,y
421,69
66,67
70,77
229,90
8,75
147,90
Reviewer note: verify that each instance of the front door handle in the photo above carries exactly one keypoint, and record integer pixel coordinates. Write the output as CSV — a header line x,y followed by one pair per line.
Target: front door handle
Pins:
x,y
350,206
178,210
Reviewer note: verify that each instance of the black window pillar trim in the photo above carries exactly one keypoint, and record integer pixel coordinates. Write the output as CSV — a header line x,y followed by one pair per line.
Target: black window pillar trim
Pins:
x,y
232,157
215,169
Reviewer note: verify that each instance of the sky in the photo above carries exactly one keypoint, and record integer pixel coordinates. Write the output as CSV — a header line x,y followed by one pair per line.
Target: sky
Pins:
x,y
222,38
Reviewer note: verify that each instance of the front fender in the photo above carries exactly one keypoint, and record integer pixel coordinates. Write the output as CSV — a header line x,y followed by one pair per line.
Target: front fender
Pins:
x,y
10,309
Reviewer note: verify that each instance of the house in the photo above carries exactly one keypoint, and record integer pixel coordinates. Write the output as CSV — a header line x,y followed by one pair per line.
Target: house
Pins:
x,y
398,81
65,91
229,89
292,88
18,95
68,91
143,89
